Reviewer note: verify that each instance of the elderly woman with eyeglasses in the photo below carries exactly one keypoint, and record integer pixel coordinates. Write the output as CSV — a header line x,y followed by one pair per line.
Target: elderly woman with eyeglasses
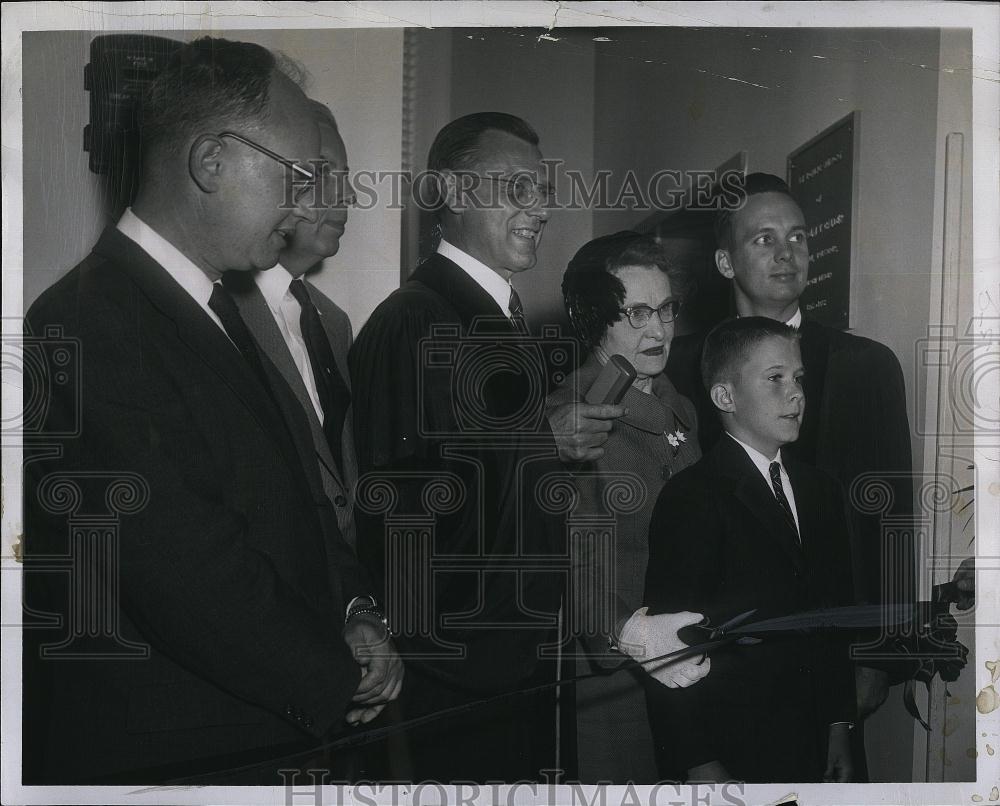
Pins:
x,y
621,295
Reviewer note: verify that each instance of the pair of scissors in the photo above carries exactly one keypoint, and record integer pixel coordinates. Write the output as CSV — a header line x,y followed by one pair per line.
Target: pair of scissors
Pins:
x,y
698,635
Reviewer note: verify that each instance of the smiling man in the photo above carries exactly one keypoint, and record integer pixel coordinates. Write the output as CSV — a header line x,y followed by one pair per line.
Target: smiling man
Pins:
x,y
442,399
282,310
307,337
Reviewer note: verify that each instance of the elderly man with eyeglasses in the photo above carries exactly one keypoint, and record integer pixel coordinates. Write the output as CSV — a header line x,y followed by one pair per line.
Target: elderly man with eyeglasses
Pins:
x,y
219,619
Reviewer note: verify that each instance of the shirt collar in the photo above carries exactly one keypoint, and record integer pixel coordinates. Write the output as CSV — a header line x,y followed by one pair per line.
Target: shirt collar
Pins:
x,y
487,279
795,321
273,285
762,463
187,275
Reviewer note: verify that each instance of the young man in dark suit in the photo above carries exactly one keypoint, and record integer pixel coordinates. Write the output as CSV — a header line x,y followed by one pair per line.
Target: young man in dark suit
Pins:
x,y
856,421
750,528
220,639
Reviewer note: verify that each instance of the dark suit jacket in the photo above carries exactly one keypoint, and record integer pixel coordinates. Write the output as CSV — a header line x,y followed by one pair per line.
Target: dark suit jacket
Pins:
x,y
855,423
232,573
719,544
456,409
338,482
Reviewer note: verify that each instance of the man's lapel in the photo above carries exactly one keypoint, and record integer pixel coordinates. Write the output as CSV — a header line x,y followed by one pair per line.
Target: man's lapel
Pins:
x,y
468,298
205,339
260,321
814,343
753,492
810,505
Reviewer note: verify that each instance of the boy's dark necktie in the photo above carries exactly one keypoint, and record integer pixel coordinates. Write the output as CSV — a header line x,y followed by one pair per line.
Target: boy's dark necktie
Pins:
x,y
334,396
779,493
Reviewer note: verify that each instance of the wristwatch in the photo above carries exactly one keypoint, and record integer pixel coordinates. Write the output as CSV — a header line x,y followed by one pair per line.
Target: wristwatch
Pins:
x,y
366,605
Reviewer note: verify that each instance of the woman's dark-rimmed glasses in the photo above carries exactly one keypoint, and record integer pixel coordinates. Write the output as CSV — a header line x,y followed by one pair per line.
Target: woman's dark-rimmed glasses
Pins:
x,y
639,315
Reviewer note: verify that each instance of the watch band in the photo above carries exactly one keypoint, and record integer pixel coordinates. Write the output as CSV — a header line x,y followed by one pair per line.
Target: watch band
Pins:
x,y
360,607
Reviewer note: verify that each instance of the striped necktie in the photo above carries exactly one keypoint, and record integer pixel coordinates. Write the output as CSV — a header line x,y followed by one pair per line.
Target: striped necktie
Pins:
x,y
515,307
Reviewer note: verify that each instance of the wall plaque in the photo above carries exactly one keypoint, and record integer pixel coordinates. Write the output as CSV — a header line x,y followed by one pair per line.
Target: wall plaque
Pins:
x,y
822,177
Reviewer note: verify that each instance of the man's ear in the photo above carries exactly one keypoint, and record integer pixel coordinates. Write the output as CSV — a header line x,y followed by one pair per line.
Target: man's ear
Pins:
x,y
205,162
722,396
723,264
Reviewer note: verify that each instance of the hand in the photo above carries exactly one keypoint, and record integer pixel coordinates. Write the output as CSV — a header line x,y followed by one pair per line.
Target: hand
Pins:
x,y
872,689
965,582
381,668
839,767
580,429
645,637
711,773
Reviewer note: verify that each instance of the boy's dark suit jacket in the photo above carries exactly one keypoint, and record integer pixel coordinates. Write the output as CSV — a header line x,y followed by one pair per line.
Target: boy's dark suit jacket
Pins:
x,y
719,544
338,481
233,573
855,423
430,413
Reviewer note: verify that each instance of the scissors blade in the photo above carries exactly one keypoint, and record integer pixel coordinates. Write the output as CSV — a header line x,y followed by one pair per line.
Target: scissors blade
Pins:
x,y
735,621
851,617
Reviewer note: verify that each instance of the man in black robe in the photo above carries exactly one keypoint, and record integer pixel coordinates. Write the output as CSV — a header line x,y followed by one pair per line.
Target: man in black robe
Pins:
x,y
448,399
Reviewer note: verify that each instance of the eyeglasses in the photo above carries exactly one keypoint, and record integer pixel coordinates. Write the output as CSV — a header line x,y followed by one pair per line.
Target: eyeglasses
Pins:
x,y
639,315
306,181
524,190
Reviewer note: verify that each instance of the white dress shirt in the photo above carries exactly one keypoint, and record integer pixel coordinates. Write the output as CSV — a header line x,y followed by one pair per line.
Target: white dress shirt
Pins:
x,y
487,279
796,320
274,284
763,464
187,275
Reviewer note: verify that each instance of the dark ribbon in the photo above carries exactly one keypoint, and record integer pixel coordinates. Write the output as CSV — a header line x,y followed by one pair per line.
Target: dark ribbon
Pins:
x,y
852,618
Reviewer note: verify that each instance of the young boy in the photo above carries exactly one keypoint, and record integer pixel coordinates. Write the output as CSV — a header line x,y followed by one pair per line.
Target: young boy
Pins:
x,y
748,528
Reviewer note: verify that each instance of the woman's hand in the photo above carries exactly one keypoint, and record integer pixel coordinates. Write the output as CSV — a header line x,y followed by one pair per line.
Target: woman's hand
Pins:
x,y
646,637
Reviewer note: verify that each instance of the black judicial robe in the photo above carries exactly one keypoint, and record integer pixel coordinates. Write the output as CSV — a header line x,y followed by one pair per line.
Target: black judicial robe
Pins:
x,y
453,445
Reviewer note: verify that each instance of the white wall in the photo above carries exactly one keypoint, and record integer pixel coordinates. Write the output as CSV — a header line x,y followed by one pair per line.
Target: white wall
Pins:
x,y
63,202
358,72
949,751
689,99
551,85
